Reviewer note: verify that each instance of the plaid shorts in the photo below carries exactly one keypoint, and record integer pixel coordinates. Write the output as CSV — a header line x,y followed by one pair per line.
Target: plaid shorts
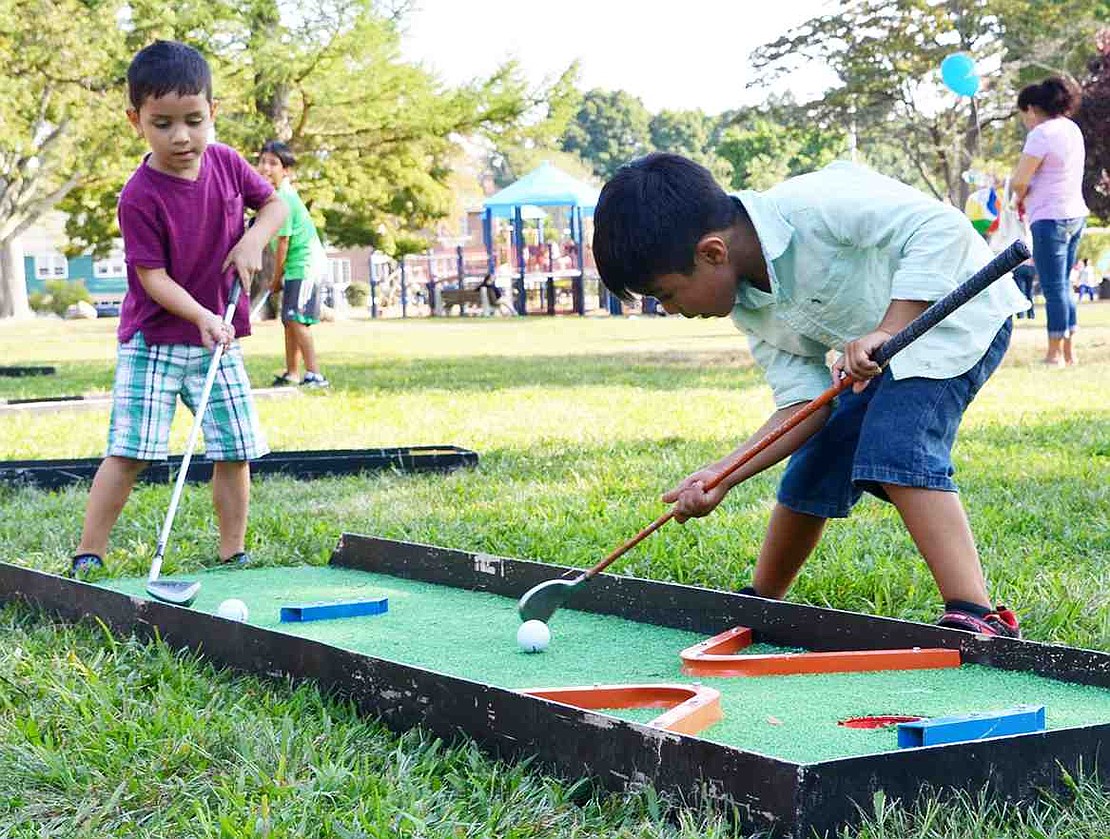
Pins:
x,y
144,397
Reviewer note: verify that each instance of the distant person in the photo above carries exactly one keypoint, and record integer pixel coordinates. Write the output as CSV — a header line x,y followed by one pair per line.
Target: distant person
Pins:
x,y
181,216
498,301
843,259
1048,181
1010,227
1086,280
295,273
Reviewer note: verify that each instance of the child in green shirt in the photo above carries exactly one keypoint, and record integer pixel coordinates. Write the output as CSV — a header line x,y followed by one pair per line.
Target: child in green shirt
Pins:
x,y
293,270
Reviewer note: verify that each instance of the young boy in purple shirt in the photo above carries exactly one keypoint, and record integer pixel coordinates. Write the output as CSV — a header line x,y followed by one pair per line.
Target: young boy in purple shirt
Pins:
x,y
181,216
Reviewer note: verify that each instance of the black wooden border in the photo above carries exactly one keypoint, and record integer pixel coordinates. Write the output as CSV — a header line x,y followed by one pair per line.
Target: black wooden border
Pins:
x,y
312,463
23,370
764,792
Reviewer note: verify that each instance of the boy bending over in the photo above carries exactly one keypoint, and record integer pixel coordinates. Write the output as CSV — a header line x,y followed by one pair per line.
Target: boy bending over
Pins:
x,y
838,259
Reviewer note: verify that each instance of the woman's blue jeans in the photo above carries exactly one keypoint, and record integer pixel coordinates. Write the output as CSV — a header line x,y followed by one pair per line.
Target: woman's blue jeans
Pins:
x,y
1055,242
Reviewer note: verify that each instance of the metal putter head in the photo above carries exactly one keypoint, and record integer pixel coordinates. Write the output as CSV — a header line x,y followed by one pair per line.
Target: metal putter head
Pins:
x,y
178,592
541,601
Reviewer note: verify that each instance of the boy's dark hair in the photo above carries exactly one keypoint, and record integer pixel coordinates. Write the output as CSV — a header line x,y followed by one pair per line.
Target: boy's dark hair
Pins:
x,y
167,67
650,217
281,151
1056,96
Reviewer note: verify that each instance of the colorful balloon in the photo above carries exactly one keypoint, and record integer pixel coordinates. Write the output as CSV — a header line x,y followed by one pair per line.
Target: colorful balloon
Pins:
x,y
982,208
958,73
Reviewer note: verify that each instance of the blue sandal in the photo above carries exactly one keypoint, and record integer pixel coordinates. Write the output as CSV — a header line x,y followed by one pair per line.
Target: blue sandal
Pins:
x,y
82,564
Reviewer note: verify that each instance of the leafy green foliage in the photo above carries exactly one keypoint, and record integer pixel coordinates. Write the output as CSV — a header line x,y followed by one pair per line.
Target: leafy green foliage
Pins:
x,y
767,152
693,134
375,136
610,128
1094,119
59,125
59,295
886,57
520,146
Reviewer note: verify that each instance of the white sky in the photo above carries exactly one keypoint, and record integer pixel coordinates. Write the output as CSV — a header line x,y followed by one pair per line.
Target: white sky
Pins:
x,y
693,54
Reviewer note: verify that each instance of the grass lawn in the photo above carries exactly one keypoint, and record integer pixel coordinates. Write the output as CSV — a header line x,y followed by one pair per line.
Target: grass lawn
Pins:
x,y
581,424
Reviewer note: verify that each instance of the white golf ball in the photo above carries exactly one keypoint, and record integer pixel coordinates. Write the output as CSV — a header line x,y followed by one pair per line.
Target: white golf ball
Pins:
x,y
533,636
233,609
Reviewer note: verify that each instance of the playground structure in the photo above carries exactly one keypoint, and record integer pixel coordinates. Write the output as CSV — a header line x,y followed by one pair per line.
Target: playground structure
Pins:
x,y
520,269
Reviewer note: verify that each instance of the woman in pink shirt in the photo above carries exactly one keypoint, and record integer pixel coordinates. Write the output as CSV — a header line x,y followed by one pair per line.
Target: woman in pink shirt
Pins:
x,y
1048,182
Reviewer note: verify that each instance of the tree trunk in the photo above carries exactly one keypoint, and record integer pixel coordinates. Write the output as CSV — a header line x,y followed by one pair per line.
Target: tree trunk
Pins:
x,y
271,97
13,284
971,139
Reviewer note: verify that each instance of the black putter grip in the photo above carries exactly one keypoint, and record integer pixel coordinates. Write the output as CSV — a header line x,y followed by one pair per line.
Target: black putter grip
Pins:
x,y
994,270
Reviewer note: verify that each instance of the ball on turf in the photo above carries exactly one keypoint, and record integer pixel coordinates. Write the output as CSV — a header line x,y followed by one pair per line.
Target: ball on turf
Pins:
x,y
533,636
233,609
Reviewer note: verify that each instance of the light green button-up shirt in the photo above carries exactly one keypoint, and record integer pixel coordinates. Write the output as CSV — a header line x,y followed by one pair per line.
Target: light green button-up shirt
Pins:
x,y
840,245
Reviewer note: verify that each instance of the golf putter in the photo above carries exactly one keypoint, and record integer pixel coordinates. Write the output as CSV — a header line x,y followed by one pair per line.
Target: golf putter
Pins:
x,y
542,601
184,592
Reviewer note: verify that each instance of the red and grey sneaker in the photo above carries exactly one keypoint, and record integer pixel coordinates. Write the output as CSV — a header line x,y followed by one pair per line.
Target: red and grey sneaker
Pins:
x,y
1001,622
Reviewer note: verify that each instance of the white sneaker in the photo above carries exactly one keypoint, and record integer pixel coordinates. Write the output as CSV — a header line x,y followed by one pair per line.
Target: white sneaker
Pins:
x,y
314,380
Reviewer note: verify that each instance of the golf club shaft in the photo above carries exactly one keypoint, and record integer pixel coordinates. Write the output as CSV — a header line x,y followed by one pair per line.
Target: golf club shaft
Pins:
x,y
194,433
994,270
257,310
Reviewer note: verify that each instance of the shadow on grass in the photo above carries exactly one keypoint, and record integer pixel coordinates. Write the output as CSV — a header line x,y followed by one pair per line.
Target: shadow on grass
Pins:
x,y
655,371
666,371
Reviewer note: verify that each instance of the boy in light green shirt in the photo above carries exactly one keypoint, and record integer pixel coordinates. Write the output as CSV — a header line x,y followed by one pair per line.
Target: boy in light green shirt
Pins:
x,y
840,259
294,274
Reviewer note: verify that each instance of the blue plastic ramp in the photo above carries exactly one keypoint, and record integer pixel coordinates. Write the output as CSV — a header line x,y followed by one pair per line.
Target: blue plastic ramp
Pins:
x,y
1022,720
330,611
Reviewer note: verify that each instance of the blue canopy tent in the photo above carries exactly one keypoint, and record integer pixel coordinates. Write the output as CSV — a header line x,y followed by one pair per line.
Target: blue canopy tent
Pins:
x,y
544,186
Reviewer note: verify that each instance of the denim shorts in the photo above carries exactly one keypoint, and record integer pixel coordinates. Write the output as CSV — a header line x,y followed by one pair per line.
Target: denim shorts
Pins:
x,y
897,431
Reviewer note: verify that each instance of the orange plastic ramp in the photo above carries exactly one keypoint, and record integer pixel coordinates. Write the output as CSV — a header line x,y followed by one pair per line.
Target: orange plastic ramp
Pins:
x,y
716,657
720,646
691,707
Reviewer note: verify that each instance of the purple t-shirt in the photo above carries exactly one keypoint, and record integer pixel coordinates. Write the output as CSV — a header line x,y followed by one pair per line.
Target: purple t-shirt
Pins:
x,y
1056,190
188,228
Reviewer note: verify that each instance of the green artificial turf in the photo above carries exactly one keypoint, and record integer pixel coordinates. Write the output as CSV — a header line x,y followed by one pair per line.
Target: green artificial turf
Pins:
x,y
473,635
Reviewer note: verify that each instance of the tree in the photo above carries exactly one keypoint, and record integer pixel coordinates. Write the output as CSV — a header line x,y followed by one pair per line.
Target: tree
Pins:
x,y
886,56
1042,39
1094,120
518,147
375,137
610,128
692,134
60,63
763,146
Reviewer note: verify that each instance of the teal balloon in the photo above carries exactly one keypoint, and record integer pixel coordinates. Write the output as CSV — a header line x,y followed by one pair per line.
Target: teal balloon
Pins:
x,y
967,86
958,73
